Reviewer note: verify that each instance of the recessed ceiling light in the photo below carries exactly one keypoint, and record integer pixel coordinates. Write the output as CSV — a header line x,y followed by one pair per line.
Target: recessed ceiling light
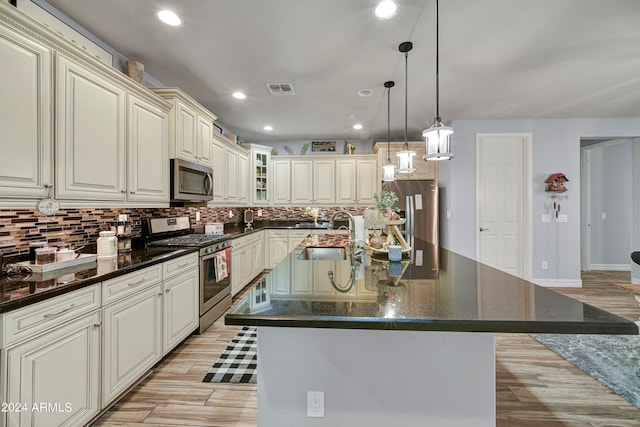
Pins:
x,y
239,95
268,128
386,9
365,92
169,17
357,126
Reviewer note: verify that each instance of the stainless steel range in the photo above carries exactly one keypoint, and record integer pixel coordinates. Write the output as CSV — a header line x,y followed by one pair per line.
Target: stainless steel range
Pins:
x,y
215,261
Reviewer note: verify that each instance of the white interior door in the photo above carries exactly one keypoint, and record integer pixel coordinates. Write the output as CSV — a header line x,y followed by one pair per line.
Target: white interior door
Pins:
x,y
503,197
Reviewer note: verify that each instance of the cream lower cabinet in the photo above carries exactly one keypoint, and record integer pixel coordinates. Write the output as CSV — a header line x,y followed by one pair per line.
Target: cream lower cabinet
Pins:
x,y
51,356
180,312
132,331
278,245
246,260
26,119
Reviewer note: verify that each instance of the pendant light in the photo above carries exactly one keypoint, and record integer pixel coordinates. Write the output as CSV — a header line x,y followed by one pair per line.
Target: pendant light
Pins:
x,y
437,137
405,156
389,168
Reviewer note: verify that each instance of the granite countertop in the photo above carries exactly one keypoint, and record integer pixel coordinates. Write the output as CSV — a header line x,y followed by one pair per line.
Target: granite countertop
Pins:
x,y
24,289
28,288
436,290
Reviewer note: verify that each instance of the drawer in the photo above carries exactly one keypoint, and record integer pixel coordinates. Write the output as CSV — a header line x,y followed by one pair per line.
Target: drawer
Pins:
x,y
175,266
120,287
241,241
43,316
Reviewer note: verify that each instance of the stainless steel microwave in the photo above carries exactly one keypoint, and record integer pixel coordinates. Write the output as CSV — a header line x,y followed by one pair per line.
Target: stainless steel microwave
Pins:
x,y
190,182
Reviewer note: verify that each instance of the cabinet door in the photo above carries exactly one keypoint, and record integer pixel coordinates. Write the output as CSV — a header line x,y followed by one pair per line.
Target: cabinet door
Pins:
x,y
90,145
205,140
301,274
186,132
218,163
278,247
366,181
324,181
281,183
25,116
180,308
132,334
301,182
59,367
237,268
243,178
346,182
258,258
262,179
148,152
232,175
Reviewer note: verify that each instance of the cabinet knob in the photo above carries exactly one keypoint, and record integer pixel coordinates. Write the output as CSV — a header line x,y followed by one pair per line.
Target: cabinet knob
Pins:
x,y
133,192
123,191
97,325
168,290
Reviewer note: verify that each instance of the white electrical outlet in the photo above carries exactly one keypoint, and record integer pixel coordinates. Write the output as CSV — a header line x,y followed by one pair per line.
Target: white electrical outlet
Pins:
x,y
230,214
315,404
197,215
546,218
545,264
259,212
562,218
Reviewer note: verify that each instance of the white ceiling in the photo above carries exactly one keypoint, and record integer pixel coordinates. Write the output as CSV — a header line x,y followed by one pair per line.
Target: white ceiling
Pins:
x,y
499,59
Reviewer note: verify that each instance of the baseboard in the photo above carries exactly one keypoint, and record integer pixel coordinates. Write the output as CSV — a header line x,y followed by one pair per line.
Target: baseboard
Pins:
x,y
558,283
611,267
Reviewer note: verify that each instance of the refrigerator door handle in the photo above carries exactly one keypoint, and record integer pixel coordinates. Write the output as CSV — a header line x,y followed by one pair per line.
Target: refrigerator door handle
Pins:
x,y
410,214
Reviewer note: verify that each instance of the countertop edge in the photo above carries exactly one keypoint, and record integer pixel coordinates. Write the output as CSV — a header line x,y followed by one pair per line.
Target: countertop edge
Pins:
x,y
439,325
61,290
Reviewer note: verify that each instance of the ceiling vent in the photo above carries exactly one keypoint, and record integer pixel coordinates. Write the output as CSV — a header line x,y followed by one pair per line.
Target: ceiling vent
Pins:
x,y
281,89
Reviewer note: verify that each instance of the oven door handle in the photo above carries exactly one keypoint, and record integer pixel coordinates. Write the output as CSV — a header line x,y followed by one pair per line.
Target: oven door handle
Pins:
x,y
211,255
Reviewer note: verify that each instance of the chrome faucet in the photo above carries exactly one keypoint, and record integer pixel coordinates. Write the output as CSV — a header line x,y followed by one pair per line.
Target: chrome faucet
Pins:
x,y
352,252
352,226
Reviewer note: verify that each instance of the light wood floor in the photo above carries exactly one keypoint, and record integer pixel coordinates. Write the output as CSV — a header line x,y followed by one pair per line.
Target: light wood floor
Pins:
x,y
534,386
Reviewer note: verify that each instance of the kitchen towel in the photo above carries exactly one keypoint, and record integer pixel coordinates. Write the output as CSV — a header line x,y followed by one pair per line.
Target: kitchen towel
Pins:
x,y
222,266
358,224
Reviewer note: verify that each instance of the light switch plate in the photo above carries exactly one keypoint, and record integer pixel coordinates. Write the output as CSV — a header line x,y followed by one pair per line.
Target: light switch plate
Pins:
x,y
562,218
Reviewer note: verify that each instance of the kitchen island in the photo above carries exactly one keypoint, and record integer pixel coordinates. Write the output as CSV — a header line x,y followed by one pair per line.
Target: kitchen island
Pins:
x,y
409,343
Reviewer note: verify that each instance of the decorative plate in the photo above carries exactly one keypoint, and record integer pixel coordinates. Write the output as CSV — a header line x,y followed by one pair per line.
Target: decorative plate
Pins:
x,y
48,206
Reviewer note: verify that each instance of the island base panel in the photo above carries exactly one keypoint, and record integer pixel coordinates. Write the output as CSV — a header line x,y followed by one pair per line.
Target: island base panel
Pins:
x,y
376,378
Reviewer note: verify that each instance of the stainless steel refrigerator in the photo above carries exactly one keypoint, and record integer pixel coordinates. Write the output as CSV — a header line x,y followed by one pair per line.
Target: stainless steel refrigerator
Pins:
x,y
419,201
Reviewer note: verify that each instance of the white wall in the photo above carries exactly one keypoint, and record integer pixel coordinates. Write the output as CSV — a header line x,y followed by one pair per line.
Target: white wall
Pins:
x,y
556,148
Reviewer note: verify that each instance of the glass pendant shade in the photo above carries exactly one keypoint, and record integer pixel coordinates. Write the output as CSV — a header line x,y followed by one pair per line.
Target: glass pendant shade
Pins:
x,y
405,160
389,171
437,139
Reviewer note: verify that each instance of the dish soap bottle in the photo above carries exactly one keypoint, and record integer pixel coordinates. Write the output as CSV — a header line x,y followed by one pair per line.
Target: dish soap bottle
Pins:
x,y
107,244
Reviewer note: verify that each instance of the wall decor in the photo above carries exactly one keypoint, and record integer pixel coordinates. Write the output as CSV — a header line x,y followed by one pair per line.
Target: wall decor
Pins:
x,y
328,146
555,183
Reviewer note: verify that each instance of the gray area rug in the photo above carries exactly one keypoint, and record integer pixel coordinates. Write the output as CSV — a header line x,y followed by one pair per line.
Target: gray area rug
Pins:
x,y
614,360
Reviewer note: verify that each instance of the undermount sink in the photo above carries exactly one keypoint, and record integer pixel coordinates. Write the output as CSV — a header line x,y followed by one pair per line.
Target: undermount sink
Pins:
x,y
312,225
328,253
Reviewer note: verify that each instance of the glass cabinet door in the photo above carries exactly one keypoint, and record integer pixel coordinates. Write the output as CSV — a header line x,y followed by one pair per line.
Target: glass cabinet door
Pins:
x,y
261,164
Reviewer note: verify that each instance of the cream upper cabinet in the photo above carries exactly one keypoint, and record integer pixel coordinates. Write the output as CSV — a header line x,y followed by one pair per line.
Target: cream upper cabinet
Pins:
x,y
424,169
301,182
190,127
90,143
324,182
243,178
356,181
231,173
281,182
147,151
367,182
25,116
260,176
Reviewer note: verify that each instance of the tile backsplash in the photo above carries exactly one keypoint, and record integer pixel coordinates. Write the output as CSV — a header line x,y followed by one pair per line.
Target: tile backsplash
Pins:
x,y
80,226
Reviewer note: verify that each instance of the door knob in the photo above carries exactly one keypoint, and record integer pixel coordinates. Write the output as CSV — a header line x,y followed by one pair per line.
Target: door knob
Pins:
x,y
484,229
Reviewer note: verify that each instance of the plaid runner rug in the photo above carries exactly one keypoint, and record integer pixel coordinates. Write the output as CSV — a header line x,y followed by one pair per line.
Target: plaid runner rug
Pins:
x,y
238,362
